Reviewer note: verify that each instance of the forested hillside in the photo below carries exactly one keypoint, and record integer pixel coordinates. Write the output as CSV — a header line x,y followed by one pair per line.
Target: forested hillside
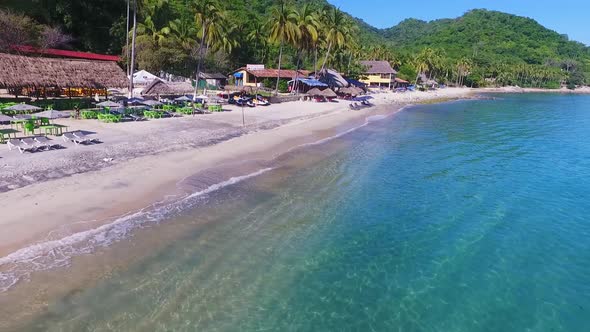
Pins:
x,y
480,48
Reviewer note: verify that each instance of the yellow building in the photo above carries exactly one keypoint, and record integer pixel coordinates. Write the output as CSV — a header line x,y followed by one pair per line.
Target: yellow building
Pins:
x,y
378,74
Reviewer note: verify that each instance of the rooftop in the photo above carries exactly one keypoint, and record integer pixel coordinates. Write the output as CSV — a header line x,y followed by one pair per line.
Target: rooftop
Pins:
x,y
17,71
378,67
64,53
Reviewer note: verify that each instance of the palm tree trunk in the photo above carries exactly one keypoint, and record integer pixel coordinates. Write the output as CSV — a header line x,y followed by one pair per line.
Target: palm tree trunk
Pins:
x,y
327,54
279,72
315,61
132,66
197,76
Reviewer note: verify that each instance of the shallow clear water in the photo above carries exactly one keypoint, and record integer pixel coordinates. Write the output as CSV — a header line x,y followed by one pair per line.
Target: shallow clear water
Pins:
x,y
465,216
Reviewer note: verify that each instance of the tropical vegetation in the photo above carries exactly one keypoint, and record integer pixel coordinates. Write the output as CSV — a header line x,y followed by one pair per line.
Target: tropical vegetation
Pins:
x,y
182,37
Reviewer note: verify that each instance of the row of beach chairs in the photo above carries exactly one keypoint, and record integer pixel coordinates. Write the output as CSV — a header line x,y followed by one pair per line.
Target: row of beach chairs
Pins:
x,y
42,143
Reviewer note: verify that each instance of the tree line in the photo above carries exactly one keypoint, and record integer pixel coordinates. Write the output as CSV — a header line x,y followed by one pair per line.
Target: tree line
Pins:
x,y
183,37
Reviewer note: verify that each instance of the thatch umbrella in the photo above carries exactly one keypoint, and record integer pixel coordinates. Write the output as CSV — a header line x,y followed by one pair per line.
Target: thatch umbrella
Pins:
x,y
315,92
109,103
23,108
329,93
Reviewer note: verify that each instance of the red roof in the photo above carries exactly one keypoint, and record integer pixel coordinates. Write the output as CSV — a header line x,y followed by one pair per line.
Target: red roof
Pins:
x,y
64,53
399,80
273,73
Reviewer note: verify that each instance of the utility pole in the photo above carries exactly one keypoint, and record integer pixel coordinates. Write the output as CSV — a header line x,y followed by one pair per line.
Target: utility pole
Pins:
x,y
127,39
133,49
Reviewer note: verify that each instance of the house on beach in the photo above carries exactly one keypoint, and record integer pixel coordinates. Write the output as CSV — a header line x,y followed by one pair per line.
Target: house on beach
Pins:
x,y
378,74
254,75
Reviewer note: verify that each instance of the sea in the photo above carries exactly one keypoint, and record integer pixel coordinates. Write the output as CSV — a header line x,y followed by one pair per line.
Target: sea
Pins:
x,y
469,215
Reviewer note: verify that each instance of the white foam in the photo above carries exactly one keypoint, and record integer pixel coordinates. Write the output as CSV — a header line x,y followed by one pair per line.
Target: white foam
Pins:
x,y
58,253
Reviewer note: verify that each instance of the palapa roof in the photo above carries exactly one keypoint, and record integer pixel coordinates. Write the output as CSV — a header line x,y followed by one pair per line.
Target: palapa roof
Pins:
x,y
378,67
212,76
329,93
17,71
159,87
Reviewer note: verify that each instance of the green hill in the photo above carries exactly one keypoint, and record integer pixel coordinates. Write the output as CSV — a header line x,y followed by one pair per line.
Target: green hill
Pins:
x,y
488,36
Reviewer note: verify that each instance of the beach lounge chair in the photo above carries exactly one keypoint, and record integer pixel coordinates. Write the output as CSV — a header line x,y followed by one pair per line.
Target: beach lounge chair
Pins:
x,y
45,143
14,144
85,138
30,143
136,117
70,137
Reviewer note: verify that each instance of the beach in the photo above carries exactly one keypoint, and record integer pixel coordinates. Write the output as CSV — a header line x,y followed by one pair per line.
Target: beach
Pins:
x,y
53,194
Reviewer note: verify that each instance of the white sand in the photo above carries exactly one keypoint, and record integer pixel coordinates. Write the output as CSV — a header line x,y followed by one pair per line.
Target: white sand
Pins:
x,y
60,192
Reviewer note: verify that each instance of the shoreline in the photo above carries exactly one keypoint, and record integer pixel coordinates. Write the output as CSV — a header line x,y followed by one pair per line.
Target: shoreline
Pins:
x,y
53,208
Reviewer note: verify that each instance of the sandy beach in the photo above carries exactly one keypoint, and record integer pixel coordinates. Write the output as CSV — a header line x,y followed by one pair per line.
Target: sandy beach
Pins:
x,y
50,195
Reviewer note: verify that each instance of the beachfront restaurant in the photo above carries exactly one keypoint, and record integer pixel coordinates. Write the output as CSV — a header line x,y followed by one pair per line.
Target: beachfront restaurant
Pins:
x,y
378,74
254,75
43,77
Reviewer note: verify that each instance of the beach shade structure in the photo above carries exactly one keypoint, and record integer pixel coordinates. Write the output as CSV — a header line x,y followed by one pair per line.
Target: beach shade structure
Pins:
x,y
135,101
332,78
183,98
329,93
348,91
201,97
151,103
109,103
23,108
315,92
5,118
23,116
52,114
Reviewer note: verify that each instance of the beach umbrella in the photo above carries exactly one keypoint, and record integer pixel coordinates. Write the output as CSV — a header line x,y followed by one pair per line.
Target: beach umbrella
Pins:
x,y
135,100
329,93
201,97
23,116
23,108
5,118
52,114
151,103
108,103
183,98
314,92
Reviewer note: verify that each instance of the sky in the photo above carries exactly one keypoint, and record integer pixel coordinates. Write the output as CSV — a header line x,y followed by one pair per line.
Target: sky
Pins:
x,y
571,17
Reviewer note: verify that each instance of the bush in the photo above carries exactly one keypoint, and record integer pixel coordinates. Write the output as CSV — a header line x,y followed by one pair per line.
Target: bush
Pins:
x,y
571,86
88,115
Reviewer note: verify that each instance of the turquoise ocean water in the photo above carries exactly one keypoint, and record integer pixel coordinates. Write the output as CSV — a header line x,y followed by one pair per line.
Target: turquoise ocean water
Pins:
x,y
464,216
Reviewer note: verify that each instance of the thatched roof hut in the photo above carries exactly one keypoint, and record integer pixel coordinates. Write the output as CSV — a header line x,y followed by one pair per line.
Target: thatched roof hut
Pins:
x,y
160,88
17,71
314,92
329,93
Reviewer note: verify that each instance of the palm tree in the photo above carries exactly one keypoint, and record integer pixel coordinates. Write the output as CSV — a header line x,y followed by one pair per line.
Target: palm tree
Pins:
x,y
148,27
184,32
463,67
258,35
283,30
336,30
306,22
210,19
